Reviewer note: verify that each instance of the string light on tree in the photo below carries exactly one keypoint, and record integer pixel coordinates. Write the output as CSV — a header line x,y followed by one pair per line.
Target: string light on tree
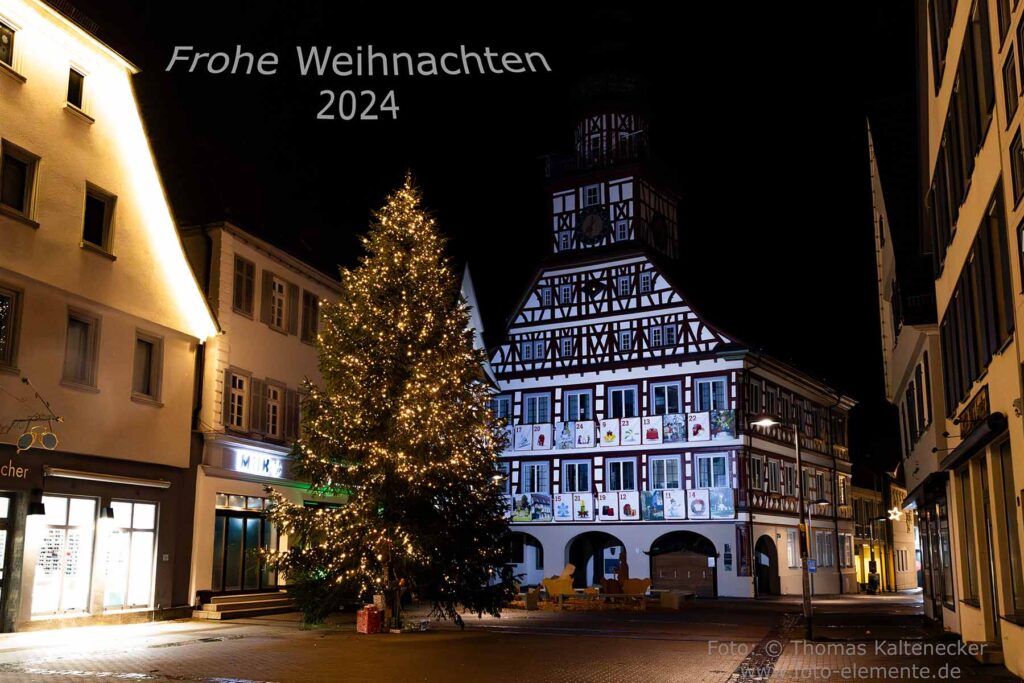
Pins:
x,y
401,425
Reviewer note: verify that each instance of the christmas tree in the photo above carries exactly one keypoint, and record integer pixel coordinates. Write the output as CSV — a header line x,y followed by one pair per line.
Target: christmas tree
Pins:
x,y
402,426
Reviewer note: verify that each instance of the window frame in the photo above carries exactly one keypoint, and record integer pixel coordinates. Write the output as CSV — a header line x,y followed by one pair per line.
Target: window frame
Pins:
x,y
610,402
652,405
646,282
621,231
698,402
244,394
309,327
585,195
524,416
698,458
577,466
502,399
622,335
278,303
155,369
92,349
609,464
31,161
13,32
565,346
652,460
576,393
109,201
525,477
623,285
243,286
9,344
270,385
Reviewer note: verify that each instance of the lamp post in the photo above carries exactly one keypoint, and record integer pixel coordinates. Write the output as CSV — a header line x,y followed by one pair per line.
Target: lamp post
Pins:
x,y
805,575
810,523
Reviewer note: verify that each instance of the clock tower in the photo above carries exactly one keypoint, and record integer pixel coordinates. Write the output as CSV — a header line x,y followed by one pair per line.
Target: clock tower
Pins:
x,y
610,190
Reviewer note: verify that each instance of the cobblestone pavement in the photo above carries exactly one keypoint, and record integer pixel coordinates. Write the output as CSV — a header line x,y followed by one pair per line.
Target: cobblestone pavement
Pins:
x,y
727,641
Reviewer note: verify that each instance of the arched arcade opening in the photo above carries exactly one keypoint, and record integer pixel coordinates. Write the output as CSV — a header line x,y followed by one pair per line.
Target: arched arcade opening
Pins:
x,y
679,561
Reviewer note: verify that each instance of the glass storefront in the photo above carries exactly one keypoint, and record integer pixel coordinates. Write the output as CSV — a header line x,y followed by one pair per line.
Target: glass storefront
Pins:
x,y
64,564
129,561
240,531
6,509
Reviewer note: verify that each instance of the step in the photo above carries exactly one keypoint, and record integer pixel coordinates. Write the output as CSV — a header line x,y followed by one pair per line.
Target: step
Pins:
x,y
242,613
246,597
248,604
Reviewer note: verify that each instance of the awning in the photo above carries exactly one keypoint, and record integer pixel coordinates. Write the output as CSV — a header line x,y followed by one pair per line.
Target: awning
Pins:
x,y
985,433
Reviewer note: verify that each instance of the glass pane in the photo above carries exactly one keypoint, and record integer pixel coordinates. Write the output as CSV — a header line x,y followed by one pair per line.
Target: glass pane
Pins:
x,y
143,371
221,500
46,590
117,567
5,504
77,569
251,560
3,551
122,514
254,503
77,351
140,581
233,552
269,577
236,501
82,512
218,554
145,516
56,510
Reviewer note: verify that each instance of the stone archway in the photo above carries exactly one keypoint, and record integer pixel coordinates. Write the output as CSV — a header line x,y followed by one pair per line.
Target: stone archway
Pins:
x,y
679,561
596,555
766,566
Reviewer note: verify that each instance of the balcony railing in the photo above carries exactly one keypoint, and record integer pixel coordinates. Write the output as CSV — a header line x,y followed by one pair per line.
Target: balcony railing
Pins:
x,y
661,505
714,425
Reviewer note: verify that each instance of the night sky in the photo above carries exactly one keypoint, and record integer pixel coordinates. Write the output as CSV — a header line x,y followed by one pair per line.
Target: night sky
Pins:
x,y
758,110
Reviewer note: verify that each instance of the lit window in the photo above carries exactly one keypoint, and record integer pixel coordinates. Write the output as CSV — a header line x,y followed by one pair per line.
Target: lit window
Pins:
x,y
6,44
9,309
63,573
129,565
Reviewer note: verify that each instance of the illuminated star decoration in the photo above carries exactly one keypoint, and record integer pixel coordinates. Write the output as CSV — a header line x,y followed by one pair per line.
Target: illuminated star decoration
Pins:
x,y
895,514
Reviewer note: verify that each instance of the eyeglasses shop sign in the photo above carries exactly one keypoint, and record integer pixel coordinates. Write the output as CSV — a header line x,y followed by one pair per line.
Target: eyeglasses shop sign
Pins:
x,y
259,464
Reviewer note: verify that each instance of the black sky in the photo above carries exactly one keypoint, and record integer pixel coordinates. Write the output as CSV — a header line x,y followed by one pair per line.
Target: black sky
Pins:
x,y
760,110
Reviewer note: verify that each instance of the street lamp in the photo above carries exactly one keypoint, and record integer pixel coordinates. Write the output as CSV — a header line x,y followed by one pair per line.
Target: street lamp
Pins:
x,y
805,575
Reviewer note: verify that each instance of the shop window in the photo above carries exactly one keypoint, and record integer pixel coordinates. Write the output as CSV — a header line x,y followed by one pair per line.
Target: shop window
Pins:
x,y
792,548
969,556
130,553
1010,515
64,564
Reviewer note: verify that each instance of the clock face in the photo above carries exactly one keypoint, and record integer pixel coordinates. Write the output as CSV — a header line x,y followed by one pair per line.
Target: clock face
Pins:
x,y
592,226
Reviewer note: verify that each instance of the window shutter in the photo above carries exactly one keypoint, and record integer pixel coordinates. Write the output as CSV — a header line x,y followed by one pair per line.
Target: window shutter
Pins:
x,y
268,284
293,309
258,406
227,398
291,412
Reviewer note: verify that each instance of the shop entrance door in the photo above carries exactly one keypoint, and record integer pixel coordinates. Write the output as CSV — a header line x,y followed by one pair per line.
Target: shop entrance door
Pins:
x,y
238,537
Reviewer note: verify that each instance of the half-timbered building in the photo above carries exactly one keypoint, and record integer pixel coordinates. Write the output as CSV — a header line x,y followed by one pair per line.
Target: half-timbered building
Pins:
x,y
626,409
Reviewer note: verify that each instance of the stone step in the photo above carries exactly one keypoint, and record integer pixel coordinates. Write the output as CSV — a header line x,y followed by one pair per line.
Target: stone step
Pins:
x,y
247,604
246,597
242,612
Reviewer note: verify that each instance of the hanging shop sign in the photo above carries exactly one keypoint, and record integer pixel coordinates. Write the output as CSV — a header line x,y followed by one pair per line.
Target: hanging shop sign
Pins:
x,y
259,464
